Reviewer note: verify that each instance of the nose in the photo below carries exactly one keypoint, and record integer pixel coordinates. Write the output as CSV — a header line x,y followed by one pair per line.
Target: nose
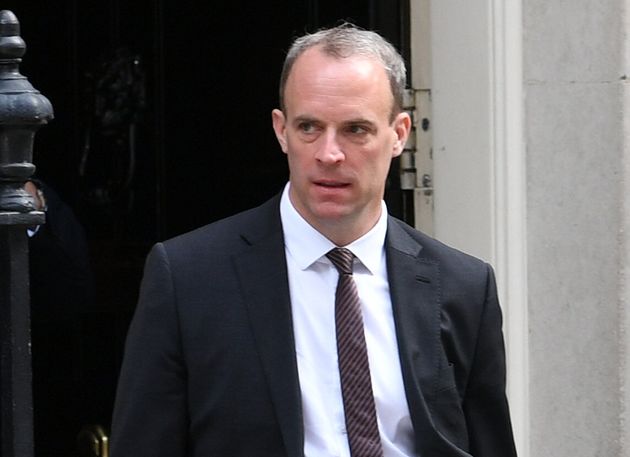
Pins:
x,y
329,150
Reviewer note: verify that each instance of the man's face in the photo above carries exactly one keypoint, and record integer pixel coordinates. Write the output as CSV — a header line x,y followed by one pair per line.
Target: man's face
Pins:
x,y
339,139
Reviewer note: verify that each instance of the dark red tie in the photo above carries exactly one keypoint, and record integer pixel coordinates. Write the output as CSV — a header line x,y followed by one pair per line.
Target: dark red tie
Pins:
x,y
354,369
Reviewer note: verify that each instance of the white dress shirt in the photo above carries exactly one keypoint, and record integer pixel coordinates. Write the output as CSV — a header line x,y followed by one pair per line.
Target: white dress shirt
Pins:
x,y
312,285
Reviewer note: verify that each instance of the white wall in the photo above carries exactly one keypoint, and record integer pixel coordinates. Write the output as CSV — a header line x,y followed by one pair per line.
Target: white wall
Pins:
x,y
532,172
575,167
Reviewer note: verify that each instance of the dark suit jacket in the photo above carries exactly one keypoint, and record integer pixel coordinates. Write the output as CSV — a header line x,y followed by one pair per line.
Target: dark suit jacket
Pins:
x,y
210,367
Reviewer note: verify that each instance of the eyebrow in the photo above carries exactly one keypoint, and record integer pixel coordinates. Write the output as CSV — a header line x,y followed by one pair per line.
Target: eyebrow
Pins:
x,y
304,118
358,120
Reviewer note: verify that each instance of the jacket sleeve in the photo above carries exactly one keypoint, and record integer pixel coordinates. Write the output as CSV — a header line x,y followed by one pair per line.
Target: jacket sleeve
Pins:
x,y
485,404
150,413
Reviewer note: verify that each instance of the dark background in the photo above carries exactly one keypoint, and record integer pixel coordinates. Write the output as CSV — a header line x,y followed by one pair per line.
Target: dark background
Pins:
x,y
162,124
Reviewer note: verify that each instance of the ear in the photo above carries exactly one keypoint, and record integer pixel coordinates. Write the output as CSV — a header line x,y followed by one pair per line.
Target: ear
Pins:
x,y
279,127
402,127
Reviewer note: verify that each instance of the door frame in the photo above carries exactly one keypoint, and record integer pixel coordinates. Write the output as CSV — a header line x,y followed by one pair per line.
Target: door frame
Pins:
x,y
470,56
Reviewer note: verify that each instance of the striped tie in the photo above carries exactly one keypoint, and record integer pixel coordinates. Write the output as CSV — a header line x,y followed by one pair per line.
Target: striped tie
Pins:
x,y
354,369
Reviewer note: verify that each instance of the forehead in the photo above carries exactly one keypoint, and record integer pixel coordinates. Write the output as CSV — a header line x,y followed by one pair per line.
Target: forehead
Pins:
x,y
337,81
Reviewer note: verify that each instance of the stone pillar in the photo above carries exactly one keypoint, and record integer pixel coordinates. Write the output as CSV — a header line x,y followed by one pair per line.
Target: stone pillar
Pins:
x,y
576,162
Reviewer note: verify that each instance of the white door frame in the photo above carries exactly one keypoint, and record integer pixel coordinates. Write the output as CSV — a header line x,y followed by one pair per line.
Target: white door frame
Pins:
x,y
473,51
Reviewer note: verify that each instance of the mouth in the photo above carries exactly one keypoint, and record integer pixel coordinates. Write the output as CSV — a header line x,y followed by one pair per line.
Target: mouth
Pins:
x,y
331,184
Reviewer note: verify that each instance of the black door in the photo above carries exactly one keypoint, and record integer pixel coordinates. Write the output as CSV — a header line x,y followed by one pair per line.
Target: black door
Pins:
x,y
162,124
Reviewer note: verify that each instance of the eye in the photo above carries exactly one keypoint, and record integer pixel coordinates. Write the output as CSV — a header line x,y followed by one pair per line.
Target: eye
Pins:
x,y
357,129
306,127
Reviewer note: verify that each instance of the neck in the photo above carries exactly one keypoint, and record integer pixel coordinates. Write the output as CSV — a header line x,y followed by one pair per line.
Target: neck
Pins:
x,y
342,231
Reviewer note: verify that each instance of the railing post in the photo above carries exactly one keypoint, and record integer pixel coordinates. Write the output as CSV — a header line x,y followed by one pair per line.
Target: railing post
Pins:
x,y
22,111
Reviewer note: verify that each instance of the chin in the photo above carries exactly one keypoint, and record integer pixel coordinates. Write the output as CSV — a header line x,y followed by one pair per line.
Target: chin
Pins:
x,y
332,215
330,212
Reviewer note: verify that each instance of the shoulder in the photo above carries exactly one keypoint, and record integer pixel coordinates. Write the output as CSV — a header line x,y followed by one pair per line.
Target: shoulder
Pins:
x,y
452,262
197,262
230,233
429,248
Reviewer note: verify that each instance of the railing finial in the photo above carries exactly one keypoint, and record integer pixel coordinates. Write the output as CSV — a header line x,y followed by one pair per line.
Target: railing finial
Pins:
x,y
22,111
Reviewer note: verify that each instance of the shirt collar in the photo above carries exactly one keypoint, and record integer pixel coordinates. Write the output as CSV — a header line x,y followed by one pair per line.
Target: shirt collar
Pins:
x,y
307,246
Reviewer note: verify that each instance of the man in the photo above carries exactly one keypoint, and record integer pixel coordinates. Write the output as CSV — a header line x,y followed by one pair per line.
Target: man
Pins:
x,y
237,347
62,289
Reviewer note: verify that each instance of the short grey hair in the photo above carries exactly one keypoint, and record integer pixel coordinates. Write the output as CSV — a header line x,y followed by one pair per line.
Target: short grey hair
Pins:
x,y
348,40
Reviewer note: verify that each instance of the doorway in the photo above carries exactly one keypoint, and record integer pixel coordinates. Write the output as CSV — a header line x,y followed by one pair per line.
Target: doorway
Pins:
x,y
162,124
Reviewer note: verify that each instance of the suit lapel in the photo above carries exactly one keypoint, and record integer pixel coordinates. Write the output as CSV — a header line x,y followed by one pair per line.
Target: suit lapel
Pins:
x,y
261,268
414,287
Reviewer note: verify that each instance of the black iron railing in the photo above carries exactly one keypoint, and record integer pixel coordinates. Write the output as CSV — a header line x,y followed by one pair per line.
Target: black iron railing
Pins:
x,y
22,111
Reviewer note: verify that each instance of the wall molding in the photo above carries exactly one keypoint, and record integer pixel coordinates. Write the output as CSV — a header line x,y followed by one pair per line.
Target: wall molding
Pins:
x,y
480,201
510,202
624,243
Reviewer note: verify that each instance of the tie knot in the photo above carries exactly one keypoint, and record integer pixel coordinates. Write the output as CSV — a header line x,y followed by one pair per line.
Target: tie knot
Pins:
x,y
342,260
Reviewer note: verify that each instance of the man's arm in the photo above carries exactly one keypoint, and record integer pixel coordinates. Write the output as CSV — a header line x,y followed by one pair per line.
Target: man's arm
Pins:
x,y
485,404
150,415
